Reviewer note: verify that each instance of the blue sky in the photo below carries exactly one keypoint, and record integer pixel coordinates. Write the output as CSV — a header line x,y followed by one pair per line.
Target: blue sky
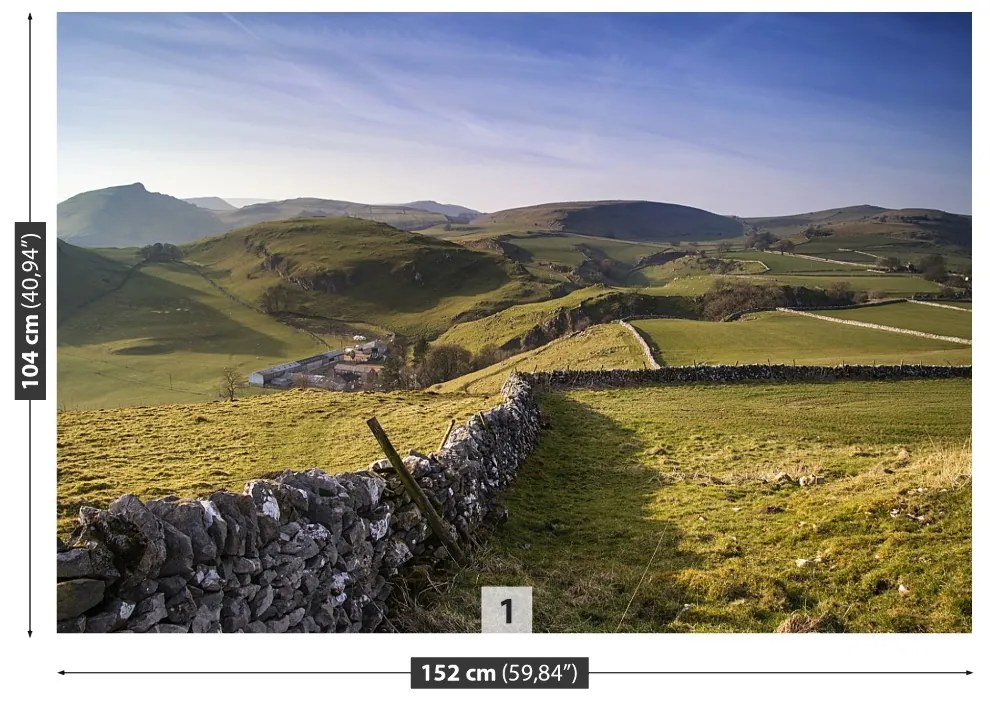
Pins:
x,y
751,114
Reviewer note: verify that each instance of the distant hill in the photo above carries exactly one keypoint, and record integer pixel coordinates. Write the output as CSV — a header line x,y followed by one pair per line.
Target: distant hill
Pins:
x,y
449,210
797,222
618,219
129,215
397,216
245,201
871,221
351,270
210,203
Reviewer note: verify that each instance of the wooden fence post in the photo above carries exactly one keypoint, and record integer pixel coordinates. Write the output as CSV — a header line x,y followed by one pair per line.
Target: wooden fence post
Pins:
x,y
415,492
447,435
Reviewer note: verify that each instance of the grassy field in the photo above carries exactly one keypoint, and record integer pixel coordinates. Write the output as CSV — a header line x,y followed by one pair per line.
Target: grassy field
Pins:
x,y
166,337
647,510
193,450
786,338
896,285
847,246
683,286
513,321
912,316
786,264
686,267
564,248
607,346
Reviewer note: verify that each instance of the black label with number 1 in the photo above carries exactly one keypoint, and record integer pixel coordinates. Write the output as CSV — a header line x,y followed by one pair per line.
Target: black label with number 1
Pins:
x,y
29,310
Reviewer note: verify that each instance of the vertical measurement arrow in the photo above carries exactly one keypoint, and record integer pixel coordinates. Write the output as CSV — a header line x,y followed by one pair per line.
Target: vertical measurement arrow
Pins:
x,y
30,545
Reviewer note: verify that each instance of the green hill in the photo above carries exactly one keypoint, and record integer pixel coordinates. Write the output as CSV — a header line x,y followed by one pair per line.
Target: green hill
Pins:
x,y
793,223
608,346
129,215
348,269
526,326
619,219
865,226
449,210
400,216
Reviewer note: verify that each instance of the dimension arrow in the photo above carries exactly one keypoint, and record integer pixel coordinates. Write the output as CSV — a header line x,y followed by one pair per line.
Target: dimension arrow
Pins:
x,y
30,544
591,672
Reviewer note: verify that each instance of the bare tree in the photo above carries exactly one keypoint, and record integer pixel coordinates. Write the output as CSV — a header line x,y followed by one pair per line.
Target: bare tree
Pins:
x,y
230,383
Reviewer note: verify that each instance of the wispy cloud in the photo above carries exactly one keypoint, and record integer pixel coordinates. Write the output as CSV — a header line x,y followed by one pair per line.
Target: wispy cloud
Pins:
x,y
496,110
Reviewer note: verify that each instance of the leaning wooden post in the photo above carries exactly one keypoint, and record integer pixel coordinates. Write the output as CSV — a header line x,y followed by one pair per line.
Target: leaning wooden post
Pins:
x,y
447,435
415,492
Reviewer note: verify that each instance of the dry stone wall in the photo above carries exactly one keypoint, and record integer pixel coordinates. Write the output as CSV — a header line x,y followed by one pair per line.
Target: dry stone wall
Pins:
x,y
305,551
729,374
301,552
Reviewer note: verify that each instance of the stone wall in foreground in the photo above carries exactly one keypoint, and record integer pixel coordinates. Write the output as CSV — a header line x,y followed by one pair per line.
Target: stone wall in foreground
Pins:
x,y
303,551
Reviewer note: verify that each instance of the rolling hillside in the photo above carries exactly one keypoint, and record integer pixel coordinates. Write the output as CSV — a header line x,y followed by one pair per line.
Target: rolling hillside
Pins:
x,y
868,224
165,336
349,270
398,216
619,219
210,203
129,215
791,224
608,345
85,275
438,207
529,325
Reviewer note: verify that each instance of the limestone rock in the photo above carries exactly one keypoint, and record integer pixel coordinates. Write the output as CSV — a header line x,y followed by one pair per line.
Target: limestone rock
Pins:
x,y
111,617
181,608
190,518
71,626
148,613
77,596
130,508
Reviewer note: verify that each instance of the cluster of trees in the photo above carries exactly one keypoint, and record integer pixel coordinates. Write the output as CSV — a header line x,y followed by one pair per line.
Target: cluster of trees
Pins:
x,y
732,296
275,299
430,364
761,239
160,252
764,240
816,230
932,267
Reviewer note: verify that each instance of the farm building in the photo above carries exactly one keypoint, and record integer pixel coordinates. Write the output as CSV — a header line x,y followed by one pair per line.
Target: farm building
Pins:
x,y
281,375
374,350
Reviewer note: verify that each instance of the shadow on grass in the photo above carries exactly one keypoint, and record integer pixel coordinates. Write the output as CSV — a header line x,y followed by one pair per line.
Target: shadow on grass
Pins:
x,y
654,348
580,532
169,315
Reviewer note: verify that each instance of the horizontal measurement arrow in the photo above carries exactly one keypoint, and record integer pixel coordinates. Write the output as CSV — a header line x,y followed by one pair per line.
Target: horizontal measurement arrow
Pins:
x,y
233,672
591,672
